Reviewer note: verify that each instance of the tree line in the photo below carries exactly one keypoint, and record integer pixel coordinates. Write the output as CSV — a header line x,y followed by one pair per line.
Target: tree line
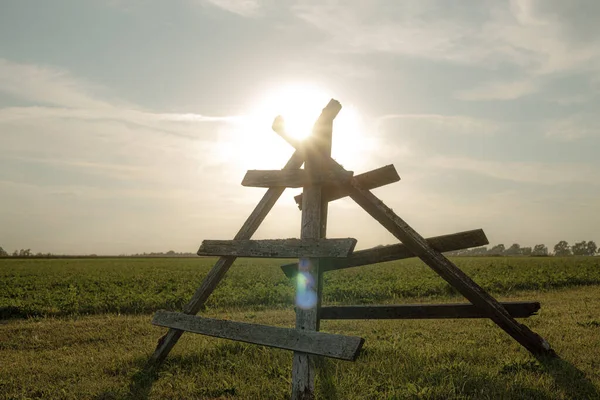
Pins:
x,y
28,253
561,249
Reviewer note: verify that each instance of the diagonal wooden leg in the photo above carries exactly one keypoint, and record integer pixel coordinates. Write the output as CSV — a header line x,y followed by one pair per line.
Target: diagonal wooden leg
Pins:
x,y
218,271
446,269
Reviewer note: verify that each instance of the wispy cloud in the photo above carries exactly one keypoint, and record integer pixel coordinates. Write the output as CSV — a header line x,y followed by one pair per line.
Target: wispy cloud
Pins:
x,y
245,8
523,172
499,91
539,38
443,124
573,127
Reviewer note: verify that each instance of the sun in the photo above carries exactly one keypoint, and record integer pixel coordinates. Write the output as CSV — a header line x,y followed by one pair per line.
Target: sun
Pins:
x,y
253,145
298,104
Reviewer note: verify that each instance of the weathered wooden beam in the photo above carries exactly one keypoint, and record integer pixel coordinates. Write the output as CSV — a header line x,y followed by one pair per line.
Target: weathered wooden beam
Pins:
x,y
314,220
368,180
218,271
311,342
517,309
278,248
455,241
442,266
290,178
446,269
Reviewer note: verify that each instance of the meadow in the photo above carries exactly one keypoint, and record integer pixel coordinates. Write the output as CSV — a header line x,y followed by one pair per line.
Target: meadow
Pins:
x,y
80,328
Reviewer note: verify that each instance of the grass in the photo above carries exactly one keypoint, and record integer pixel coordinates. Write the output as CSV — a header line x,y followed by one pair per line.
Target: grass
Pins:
x,y
58,287
94,344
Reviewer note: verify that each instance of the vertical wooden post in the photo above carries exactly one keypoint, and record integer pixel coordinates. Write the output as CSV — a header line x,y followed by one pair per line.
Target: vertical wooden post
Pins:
x,y
314,225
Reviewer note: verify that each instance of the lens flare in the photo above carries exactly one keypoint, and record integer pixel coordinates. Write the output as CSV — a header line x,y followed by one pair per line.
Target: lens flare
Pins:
x,y
306,296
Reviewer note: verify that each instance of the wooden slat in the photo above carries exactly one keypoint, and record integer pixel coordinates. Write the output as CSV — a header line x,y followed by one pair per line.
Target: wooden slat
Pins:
x,y
368,180
278,248
442,266
324,344
218,271
517,309
290,178
455,241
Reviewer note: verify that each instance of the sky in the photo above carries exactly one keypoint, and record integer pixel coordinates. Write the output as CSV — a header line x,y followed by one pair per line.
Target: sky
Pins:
x,y
126,126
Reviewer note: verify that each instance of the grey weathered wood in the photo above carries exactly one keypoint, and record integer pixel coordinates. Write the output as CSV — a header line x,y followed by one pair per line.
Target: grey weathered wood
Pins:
x,y
278,248
517,309
442,266
290,178
455,241
368,180
218,271
325,344
314,217
447,270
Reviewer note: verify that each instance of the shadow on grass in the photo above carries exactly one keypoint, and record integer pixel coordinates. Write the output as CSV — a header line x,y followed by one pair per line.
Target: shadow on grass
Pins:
x,y
569,378
326,387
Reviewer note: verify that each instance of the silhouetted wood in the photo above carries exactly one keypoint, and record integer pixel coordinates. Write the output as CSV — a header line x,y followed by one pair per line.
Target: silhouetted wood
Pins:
x,y
517,309
455,241
278,248
214,276
311,342
441,265
314,217
368,180
446,269
289,178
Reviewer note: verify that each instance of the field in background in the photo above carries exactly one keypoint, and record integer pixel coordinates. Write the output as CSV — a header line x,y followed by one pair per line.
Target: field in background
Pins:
x,y
80,328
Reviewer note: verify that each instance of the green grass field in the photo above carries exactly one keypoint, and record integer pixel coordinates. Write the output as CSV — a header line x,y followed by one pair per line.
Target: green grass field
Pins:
x,y
80,329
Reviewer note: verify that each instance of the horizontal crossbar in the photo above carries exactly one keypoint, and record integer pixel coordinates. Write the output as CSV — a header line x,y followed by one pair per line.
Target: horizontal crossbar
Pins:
x,y
368,180
290,178
311,342
517,309
279,248
455,241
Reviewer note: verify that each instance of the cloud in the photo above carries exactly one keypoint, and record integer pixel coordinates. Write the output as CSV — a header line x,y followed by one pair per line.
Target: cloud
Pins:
x,y
523,172
498,91
536,39
244,8
48,86
573,127
437,123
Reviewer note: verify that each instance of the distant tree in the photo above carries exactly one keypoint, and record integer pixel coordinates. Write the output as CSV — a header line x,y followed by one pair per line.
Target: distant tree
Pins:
x,y
526,251
513,250
562,248
591,248
170,253
579,248
3,253
539,250
496,250
478,251
15,253
25,252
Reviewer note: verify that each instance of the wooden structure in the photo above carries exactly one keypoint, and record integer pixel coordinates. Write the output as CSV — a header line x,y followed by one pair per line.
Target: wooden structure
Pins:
x,y
323,180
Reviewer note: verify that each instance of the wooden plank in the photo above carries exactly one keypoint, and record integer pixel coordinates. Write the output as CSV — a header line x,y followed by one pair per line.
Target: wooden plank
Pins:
x,y
325,344
314,215
517,309
455,241
368,180
218,271
290,178
278,248
442,266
